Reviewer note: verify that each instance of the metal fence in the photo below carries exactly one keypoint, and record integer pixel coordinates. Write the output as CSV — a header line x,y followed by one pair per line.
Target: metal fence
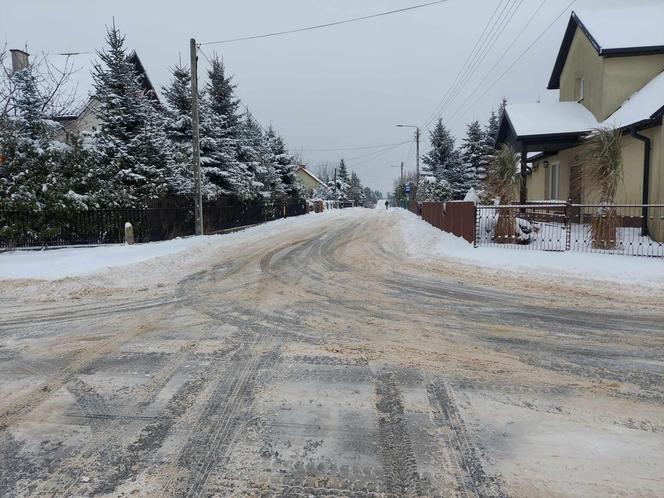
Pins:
x,y
629,229
172,218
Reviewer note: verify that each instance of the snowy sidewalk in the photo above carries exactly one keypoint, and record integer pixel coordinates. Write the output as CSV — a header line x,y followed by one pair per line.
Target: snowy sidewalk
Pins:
x,y
78,261
425,241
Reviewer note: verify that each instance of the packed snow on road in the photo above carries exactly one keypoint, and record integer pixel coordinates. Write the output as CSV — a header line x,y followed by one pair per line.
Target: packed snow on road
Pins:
x,y
325,354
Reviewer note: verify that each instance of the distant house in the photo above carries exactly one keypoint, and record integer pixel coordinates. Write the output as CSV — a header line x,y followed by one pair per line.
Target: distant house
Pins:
x,y
87,119
310,181
610,72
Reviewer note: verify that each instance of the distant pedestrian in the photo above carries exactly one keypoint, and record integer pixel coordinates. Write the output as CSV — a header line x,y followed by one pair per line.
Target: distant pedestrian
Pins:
x,y
387,204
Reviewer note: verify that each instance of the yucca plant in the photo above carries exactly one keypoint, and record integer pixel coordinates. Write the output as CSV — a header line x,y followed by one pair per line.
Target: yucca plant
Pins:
x,y
603,171
502,180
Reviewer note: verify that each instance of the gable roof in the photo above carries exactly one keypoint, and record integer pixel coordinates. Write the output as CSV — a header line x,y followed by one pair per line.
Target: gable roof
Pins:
x,y
558,119
143,77
309,173
617,32
84,84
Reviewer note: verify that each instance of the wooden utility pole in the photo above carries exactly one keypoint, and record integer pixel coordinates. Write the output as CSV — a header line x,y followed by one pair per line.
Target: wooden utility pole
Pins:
x,y
402,172
417,170
198,194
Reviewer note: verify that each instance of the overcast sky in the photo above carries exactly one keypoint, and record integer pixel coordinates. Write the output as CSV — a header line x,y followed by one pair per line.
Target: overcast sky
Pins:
x,y
342,87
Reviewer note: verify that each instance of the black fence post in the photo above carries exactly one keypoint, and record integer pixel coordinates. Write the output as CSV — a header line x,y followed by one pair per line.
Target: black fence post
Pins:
x,y
477,226
568,225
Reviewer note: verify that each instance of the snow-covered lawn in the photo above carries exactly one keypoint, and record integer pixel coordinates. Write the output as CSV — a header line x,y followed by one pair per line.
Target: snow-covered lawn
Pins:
x,y
425,241
73,262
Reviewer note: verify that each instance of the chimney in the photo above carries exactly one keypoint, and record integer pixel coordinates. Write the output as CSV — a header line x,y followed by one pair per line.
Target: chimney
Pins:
x,y
20,59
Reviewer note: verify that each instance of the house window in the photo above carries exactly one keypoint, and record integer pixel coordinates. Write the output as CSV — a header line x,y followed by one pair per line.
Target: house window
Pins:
x,y
554,181
579,89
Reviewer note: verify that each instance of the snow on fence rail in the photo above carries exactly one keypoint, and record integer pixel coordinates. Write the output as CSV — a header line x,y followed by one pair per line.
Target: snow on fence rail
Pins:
x,y
628,229
106,226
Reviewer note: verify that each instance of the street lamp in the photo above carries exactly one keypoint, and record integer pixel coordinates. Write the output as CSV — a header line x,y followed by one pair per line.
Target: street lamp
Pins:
x,y
417,140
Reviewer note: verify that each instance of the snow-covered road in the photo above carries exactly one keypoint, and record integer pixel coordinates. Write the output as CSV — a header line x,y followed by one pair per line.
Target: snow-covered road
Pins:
x,y
318,356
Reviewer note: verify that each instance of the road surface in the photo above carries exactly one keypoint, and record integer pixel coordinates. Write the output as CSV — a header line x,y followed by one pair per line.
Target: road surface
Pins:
x,y
325,362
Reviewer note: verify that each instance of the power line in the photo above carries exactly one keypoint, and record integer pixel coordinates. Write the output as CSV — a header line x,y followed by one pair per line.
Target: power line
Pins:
x,y
497,29
471,54
326,25
490,44
367,147
515,62
375,155
518,36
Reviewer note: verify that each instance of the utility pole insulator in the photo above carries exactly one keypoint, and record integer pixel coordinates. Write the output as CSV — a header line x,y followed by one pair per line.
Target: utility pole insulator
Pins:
x,y
196,141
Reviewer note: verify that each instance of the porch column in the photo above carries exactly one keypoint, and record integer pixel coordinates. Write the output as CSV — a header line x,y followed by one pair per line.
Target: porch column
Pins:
x,y
523,198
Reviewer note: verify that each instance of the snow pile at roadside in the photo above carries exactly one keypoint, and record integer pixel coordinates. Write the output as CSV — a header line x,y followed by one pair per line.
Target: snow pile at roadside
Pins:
x,y
78,261
425,241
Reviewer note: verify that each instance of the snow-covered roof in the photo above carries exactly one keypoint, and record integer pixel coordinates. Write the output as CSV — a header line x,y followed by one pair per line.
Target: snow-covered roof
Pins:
x,y
637,26
641,106
550,119
306,171
561,118
621,31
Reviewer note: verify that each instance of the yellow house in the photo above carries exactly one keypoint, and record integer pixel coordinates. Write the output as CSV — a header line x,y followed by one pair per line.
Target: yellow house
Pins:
x,y
610,72
310,181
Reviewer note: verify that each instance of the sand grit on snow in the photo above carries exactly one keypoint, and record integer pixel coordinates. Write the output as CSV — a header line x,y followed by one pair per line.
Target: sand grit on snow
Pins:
x,y
425,241
80,261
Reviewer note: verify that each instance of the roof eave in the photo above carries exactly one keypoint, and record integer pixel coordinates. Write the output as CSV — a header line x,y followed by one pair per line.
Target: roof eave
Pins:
x,y
628,51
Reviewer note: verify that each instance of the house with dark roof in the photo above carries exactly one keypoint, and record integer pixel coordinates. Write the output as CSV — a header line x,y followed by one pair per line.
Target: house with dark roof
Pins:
x,y
609,72
87,119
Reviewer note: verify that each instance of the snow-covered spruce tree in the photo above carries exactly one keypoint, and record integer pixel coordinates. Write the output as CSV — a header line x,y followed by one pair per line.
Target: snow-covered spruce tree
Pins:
x,y
132,147
370,196
355,190
443,171
284,166
177,100
489,140
32,183
324,193
29,177
342,186
255,155
472,155
220,144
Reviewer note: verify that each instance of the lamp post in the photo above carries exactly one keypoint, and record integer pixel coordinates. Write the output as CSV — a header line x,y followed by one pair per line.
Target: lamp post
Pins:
x,y
417,140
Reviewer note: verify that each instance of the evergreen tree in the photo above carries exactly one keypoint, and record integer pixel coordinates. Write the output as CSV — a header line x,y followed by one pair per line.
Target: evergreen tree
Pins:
x,y
443,175
472,154
82,187
490,137
370,196
342,182
133,151
220,144
255,155
177,97
30,177
342,174
283,165
355,190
